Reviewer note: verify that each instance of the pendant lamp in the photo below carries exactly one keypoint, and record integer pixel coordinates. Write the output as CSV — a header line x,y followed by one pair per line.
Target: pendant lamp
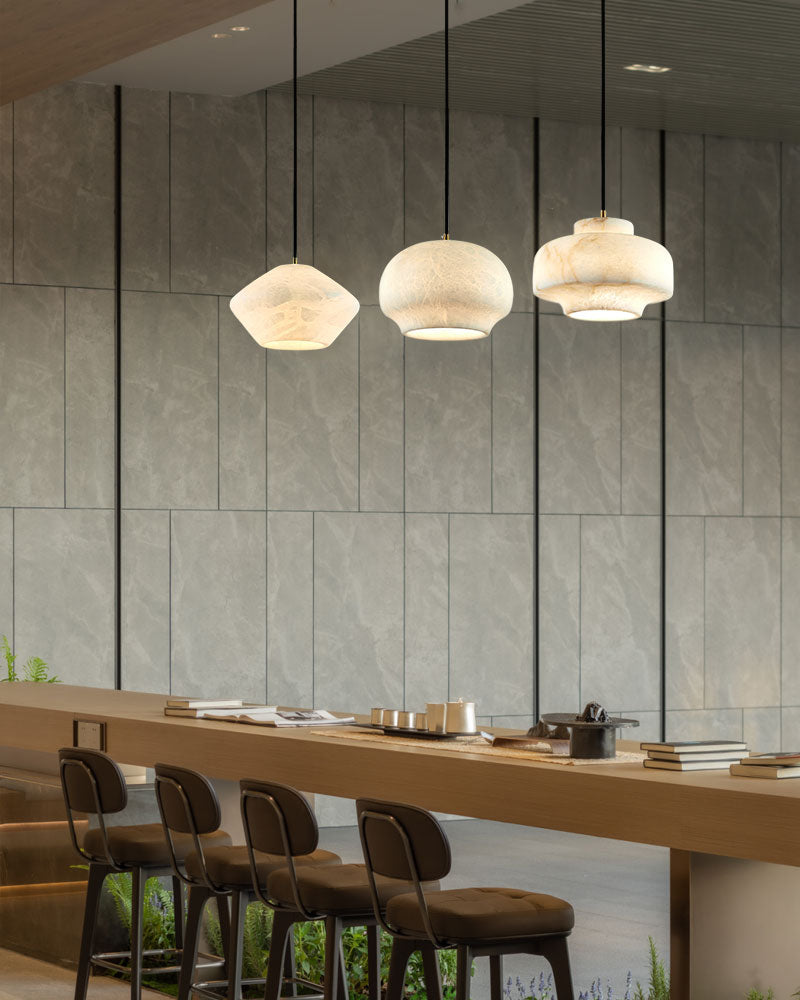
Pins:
x,y
603,271
446,289
294,307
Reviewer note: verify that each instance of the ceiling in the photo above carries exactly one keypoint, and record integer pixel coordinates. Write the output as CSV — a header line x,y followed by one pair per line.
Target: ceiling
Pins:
x,y
735,64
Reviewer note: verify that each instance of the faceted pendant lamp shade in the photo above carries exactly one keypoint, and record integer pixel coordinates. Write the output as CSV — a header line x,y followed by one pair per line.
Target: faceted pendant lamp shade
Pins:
x,y
446,290
294,307
603,271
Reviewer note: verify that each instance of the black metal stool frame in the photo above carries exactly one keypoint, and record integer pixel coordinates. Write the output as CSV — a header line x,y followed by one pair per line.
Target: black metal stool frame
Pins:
x,y
551,947
285,917
98,871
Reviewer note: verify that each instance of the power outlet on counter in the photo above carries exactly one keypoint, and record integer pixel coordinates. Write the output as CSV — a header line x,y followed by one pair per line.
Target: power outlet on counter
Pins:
x,y
89,735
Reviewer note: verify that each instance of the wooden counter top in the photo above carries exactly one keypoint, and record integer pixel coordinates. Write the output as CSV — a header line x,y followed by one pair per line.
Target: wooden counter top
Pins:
x,y
710,812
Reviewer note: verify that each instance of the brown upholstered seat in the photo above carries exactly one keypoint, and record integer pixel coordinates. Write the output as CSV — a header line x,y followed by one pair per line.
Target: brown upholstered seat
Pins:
x,y
231,865
341,889
145,844
482,914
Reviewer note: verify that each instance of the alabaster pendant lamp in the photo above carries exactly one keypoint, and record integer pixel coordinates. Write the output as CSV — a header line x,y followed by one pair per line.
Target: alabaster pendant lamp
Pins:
x,y
294,307
446,289
603,272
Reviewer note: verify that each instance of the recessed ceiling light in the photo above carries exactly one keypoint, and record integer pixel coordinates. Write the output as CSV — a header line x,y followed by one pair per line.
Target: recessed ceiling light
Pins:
x,y
220,34
240,27
642,68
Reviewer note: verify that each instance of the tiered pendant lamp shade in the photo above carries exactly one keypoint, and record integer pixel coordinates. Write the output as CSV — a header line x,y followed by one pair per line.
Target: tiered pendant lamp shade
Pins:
x,y
294,307
446,290
603,271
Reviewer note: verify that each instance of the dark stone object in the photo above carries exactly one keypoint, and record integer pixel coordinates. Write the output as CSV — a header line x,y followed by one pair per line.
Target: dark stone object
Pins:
x,y
594,712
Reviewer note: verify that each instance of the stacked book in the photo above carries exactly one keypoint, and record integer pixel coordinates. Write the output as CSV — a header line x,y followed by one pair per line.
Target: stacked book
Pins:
x,y
695,755
769,765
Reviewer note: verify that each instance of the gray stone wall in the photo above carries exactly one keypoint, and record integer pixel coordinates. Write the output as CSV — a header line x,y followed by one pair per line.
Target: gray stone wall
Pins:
x,y
356,527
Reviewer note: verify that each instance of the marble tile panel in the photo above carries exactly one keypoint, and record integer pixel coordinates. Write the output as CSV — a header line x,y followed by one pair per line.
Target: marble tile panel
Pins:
x,y
426,609
790,601
279,179
89,382
559,612
491,201
580,416
523,722
217,205
513,405
761,729
704,418
64,562
242,415
491,612
790,728
145,189
640,459
790,422
169,400
742,247
685,609
7,573
381,409
7,193
358,191
64,186
290,608
640,187
706,724
219,611
145,601
424,174
312,427
790,236
569,179
335,812
761,457
620,611
358,611
649,728
684,167
743,611
448,426
32,403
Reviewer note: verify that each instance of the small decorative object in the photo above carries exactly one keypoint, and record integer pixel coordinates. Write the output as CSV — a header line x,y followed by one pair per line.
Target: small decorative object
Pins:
x,y
460,718
435,714
542,731
407,720
593,733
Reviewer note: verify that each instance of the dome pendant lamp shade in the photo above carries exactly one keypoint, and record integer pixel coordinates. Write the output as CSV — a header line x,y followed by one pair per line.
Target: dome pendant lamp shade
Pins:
x,y
294,307
446,290
603,271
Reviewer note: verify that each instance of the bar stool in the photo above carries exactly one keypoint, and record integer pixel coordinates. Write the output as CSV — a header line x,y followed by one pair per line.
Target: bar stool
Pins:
x,y
278,820
92,783
189,806
403,841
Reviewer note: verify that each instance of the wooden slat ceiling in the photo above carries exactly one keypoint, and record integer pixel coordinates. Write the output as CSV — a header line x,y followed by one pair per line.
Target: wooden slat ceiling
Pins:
x,y
43,42
735,65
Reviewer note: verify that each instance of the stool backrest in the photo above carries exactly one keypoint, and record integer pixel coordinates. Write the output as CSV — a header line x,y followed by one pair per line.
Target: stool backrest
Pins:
x,y
402,841
91,782
187,803
277,819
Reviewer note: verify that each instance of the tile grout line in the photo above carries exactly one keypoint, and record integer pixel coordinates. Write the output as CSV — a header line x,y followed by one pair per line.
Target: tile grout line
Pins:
x,y
449,655
169,529
13,579
169,192
66,435
313,609
219,449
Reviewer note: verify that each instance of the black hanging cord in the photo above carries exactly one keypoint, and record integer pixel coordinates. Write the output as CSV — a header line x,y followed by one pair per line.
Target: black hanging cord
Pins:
x,y
294,98
603,107
446,119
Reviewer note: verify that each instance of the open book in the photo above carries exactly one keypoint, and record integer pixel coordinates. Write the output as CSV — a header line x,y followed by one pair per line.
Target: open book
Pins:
x,y
264,715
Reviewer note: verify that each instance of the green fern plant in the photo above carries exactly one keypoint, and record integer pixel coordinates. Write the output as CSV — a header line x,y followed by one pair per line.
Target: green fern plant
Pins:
x,y
35,669
158,917
769,995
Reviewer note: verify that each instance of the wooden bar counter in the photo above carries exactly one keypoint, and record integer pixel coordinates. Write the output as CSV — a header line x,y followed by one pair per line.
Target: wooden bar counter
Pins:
x,y
693,814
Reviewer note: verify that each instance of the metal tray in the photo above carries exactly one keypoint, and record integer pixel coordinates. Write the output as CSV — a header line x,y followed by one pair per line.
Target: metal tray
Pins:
x,y
417,734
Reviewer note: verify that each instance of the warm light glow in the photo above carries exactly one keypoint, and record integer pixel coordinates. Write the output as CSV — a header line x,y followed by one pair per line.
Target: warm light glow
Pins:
x,y
643,68
240,27
603,272
220,34
294,307
446,290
